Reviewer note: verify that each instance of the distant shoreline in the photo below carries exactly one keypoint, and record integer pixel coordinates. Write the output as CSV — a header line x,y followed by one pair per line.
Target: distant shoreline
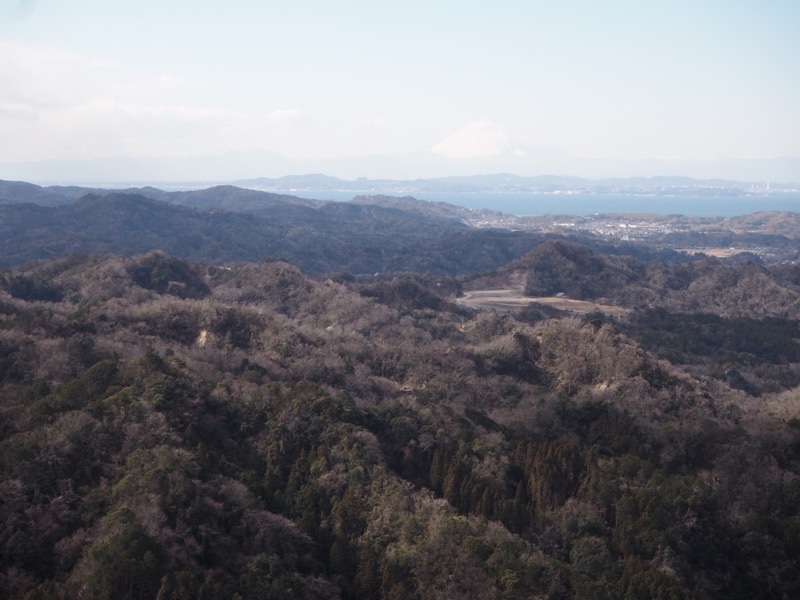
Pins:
x,y
529,204
702,200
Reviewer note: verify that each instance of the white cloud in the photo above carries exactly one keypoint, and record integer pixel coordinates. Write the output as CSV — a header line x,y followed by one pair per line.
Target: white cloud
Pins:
x,y
374,123
290,117
56,104
17,111
44,77
160,86
479,138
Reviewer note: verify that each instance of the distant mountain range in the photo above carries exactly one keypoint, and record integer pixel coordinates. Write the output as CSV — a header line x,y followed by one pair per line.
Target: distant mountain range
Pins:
x,y
254,194
322,184
526,161
509,183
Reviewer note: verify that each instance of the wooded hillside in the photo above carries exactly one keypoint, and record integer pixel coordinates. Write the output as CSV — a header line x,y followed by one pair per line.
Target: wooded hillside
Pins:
x,y
178,430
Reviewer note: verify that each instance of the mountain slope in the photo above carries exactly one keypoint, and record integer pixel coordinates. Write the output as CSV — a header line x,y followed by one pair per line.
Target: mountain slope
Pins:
x,y
13,192
181,430
359,238
601,272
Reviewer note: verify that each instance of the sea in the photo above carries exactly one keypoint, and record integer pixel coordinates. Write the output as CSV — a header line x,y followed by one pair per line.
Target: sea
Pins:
x,y
529,204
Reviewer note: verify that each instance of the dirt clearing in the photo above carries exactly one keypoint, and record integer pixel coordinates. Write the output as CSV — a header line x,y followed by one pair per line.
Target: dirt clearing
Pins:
x,y
512,299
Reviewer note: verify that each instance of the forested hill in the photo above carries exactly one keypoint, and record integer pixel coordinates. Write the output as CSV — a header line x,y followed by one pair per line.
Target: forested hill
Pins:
x,y
180,430
221,197
358,238
735,288
737,321
222,224
370,234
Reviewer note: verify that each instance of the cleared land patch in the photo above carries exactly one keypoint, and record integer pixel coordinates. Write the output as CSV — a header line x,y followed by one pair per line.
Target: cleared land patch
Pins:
x,y
716,252
513,299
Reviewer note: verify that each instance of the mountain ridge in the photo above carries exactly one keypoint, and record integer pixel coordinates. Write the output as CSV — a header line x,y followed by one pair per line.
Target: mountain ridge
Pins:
x,y
372,233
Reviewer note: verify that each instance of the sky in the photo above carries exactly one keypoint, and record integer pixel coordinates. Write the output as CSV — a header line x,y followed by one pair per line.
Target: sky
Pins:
x,y
314,79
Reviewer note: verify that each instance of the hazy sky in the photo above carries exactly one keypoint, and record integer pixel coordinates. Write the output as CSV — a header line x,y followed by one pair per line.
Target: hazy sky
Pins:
x,y
320,79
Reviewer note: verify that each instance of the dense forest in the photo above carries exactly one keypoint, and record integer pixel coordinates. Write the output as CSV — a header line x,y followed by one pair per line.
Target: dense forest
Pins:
x,y
174,429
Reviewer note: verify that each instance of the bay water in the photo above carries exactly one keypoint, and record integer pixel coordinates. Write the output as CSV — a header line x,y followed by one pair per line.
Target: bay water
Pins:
x,y
530,204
